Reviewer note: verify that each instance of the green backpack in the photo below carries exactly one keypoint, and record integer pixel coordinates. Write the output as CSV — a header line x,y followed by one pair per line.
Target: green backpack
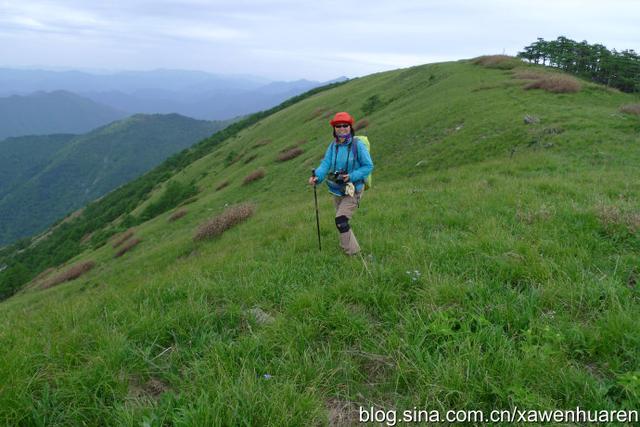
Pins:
x,y
365,141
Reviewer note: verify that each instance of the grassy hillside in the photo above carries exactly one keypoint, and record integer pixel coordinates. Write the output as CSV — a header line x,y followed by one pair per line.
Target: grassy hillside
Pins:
x,y
86,167
21,158
500,269
43,113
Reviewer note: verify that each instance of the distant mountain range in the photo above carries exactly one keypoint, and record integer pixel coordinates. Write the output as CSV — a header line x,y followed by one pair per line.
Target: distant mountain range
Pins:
x,y
42,178
52,112
191,93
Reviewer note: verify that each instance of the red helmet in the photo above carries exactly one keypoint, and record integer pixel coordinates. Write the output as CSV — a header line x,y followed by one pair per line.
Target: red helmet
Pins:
x,y
342,117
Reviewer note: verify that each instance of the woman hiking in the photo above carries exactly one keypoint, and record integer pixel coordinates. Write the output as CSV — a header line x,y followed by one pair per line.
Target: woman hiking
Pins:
x,y
345,166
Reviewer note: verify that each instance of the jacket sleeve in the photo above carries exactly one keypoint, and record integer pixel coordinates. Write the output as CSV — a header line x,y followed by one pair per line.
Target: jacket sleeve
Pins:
x,y
323,169
366,164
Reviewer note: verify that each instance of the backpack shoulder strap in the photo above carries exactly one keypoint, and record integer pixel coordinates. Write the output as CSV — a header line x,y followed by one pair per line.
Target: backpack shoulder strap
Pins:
x,y
334,155
354,147
354,151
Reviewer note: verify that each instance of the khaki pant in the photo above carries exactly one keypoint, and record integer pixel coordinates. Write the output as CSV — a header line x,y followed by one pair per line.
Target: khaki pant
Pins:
x,y
347,205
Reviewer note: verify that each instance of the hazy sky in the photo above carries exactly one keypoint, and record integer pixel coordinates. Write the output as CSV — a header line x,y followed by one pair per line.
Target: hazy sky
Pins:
x,y
290,39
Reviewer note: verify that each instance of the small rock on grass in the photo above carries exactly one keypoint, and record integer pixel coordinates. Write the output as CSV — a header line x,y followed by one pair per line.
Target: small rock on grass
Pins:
x,y
261,316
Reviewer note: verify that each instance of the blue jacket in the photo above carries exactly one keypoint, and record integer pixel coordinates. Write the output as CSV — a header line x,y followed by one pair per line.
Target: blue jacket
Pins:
x,y
335,159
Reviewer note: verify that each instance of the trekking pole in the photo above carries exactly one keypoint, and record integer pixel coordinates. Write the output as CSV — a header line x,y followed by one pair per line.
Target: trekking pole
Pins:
x,y
315,196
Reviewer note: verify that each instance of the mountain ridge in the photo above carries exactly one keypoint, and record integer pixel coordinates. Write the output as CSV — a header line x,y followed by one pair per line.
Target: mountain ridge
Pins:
x,y
89,165
52,112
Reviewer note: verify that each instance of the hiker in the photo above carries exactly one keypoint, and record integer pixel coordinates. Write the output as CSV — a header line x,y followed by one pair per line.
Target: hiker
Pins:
x,y
345,165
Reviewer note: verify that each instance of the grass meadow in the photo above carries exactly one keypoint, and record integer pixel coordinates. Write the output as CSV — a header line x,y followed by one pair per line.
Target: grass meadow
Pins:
x,y
500,268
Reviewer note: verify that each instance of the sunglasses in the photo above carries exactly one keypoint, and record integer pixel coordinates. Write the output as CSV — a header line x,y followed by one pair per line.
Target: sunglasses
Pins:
x,y
342,126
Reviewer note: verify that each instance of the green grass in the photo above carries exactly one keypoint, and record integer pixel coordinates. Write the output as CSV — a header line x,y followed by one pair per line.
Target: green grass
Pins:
x,y
524,238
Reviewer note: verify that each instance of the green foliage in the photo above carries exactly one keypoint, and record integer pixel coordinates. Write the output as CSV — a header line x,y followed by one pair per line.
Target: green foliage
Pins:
x,y
12,279
100,237
58,180
173,195
22,158
617,69
231,158
372,104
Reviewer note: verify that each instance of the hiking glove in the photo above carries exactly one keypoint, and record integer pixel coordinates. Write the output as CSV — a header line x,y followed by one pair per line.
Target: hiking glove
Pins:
x,y
350,189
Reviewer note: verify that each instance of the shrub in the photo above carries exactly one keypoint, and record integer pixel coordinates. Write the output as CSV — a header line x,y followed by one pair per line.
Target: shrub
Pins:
x,y
231,158
222,185
12,278
361,124
631,109
175,193
72,273
372,104
227,219
130,244
502,62
254,176
290,154
121,238
555,83
177,215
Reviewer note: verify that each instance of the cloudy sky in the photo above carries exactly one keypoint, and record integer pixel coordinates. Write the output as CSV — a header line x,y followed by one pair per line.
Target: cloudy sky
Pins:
x,y
291,39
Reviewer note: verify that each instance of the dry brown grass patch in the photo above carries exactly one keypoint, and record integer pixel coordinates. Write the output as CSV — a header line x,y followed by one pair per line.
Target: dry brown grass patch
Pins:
x,y
290,154
222,185
71,273
525,74
289,148
44,274
86,238
556,83
342,413
149,390
612,217
39,279
123,237
250,159
262,142
189,200
231,216
361,124
542,214
178,214
254,176
504,62
130,244
317,113
631,109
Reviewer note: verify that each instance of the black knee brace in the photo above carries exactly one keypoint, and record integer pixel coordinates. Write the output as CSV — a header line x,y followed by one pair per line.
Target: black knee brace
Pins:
x,y
342,222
